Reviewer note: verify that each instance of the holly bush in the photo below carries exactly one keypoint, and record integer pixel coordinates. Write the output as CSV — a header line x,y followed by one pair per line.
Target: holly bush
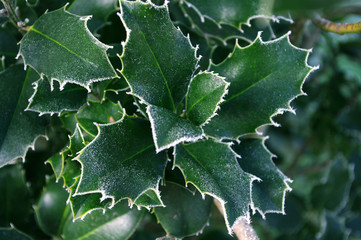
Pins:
x,y
156,119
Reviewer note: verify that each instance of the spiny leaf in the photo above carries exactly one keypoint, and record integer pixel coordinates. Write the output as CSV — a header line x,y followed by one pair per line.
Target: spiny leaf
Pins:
x,y
44,100
170,129
99,9
76,142
149,199
264,78
57,162
233,12
117,223
185,214
268,195
212,168
158,61
106,112
206,92
129,165
52,50
336,187
18,129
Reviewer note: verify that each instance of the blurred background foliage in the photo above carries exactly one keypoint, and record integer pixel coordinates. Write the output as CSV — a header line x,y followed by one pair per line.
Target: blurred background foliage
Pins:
x,y
319,148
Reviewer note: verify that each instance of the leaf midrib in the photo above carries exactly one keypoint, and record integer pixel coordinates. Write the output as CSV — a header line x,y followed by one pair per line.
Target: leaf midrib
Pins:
x,y
161,71
248,88
201,99
137,153
61,45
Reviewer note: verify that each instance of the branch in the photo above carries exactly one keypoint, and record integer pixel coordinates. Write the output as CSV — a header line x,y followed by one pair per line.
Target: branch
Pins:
x,y
339,28
242,229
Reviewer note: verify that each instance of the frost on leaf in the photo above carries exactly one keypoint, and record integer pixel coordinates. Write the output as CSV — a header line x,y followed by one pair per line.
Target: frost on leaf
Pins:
x,y
18,128
268,195
129,165
213,169
60,46
264,78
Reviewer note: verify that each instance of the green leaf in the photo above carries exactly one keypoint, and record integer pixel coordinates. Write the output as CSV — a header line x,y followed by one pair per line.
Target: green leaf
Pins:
x,y
52,50
117,223
149,199
77,142
99,9
268,195
332,228
233,12
57,163
18,129
158,61
121,161
15,204
213,169
71,172
106,112
51,210
206,92
81,205
264,78
13,234
185,214
336,187
169,129
44,100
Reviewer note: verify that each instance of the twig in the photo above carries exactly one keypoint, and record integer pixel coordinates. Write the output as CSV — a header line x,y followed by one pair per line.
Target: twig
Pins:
x,y
242,229
339,28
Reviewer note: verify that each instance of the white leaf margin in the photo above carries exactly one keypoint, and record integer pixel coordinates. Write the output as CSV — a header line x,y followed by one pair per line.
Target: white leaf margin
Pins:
x,y
62,83
246,216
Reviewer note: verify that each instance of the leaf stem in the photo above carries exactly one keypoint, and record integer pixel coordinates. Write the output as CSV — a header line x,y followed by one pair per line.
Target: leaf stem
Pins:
x,y
339,28
242,229
13,17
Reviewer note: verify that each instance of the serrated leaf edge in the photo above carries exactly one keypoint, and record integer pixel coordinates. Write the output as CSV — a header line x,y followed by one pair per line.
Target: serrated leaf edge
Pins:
x,y
285,181
222,97
103,193
174,143
248,23
279,110
128,31
96,41
31,99
246,215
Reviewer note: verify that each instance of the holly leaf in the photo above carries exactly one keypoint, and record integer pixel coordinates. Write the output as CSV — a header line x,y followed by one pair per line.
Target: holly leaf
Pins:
x,y
117,223
337,186
149,199
169,129
18,129
13,233
129,165
99,9
51,49
51,210
158,62
105,112
47,101
76,141
57,162
206,92
268,195
213,169
15,202
264,78
233,12
185,214
7,43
